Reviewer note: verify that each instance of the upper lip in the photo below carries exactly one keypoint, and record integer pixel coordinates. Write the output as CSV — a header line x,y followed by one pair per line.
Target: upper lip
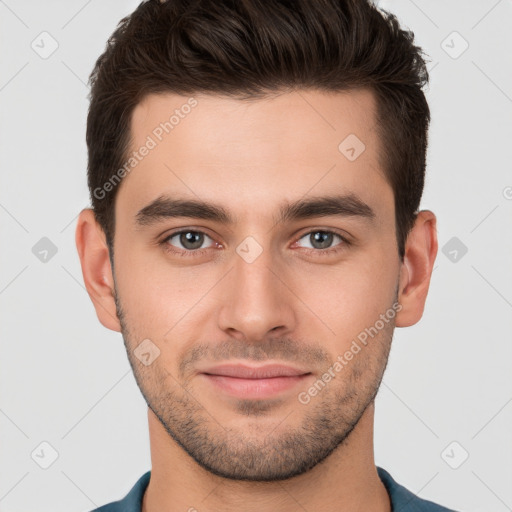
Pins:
x,y
251,372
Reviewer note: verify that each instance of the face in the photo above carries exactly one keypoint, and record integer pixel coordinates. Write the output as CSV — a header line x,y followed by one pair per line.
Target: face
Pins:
x,y
293,261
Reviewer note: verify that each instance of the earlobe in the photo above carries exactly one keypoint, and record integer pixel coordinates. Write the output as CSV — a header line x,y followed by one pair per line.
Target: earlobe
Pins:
x,y
416,270
96,269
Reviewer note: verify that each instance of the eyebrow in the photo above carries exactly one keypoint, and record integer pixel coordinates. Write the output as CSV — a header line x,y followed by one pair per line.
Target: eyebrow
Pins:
x,y
345,205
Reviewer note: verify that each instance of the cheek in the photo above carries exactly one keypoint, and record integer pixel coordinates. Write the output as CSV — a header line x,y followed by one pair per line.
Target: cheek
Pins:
x,y
159,300
349,297
143,292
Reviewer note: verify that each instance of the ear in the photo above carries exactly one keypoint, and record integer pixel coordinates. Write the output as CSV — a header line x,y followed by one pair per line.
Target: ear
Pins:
x,y
416,269
96,269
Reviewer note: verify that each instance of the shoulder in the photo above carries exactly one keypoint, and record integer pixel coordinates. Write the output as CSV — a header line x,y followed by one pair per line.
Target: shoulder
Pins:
x,y
403,500
132,502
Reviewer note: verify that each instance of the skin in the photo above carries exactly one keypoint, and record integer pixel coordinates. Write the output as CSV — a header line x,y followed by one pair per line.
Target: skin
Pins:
x,y
211,451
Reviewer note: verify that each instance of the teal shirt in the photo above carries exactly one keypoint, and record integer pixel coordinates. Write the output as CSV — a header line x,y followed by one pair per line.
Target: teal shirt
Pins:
x,y
402,500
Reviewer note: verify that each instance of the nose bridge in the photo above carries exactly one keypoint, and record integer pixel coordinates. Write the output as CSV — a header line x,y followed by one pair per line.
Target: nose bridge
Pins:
x,y
254,270
255,300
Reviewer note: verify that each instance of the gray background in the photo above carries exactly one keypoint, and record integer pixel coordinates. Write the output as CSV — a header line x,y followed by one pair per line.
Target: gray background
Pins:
x,y
65,380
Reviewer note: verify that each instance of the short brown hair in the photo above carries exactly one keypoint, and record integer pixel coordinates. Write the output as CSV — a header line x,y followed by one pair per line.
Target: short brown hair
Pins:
x,y
249,49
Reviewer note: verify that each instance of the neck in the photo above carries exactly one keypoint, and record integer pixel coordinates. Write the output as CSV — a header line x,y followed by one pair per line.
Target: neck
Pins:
x,y
344,482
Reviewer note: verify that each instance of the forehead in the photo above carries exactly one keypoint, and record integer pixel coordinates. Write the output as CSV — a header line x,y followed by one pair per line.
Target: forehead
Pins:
x,y
255,153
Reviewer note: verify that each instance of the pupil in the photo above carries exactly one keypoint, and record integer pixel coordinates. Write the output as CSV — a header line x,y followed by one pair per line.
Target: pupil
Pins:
x,y
188,238
324,238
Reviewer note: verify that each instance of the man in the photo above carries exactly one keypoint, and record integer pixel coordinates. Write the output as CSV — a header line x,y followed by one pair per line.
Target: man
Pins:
x,y
256,169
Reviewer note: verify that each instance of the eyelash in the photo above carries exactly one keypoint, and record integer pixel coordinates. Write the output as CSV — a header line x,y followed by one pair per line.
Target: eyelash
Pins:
x,y
345,243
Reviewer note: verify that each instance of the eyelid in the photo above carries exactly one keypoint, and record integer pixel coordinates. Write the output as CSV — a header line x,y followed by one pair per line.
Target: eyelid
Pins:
x,y
310,232
336,250
335,231
179,231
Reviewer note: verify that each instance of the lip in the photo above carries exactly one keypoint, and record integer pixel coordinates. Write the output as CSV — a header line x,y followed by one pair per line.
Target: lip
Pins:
x,y
254,382
254,372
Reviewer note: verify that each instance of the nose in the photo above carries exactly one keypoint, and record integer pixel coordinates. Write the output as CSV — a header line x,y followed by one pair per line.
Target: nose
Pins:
x,y
256,299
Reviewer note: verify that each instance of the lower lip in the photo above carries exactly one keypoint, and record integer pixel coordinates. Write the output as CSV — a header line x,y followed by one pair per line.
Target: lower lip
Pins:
x,y
254,388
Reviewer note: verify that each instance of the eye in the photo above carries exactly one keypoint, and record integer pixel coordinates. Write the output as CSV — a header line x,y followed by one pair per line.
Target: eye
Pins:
x,y
321,241
186,241
189,242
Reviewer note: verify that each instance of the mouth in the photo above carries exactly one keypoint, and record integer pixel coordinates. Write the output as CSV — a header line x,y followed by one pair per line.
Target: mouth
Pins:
x,y
254,382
